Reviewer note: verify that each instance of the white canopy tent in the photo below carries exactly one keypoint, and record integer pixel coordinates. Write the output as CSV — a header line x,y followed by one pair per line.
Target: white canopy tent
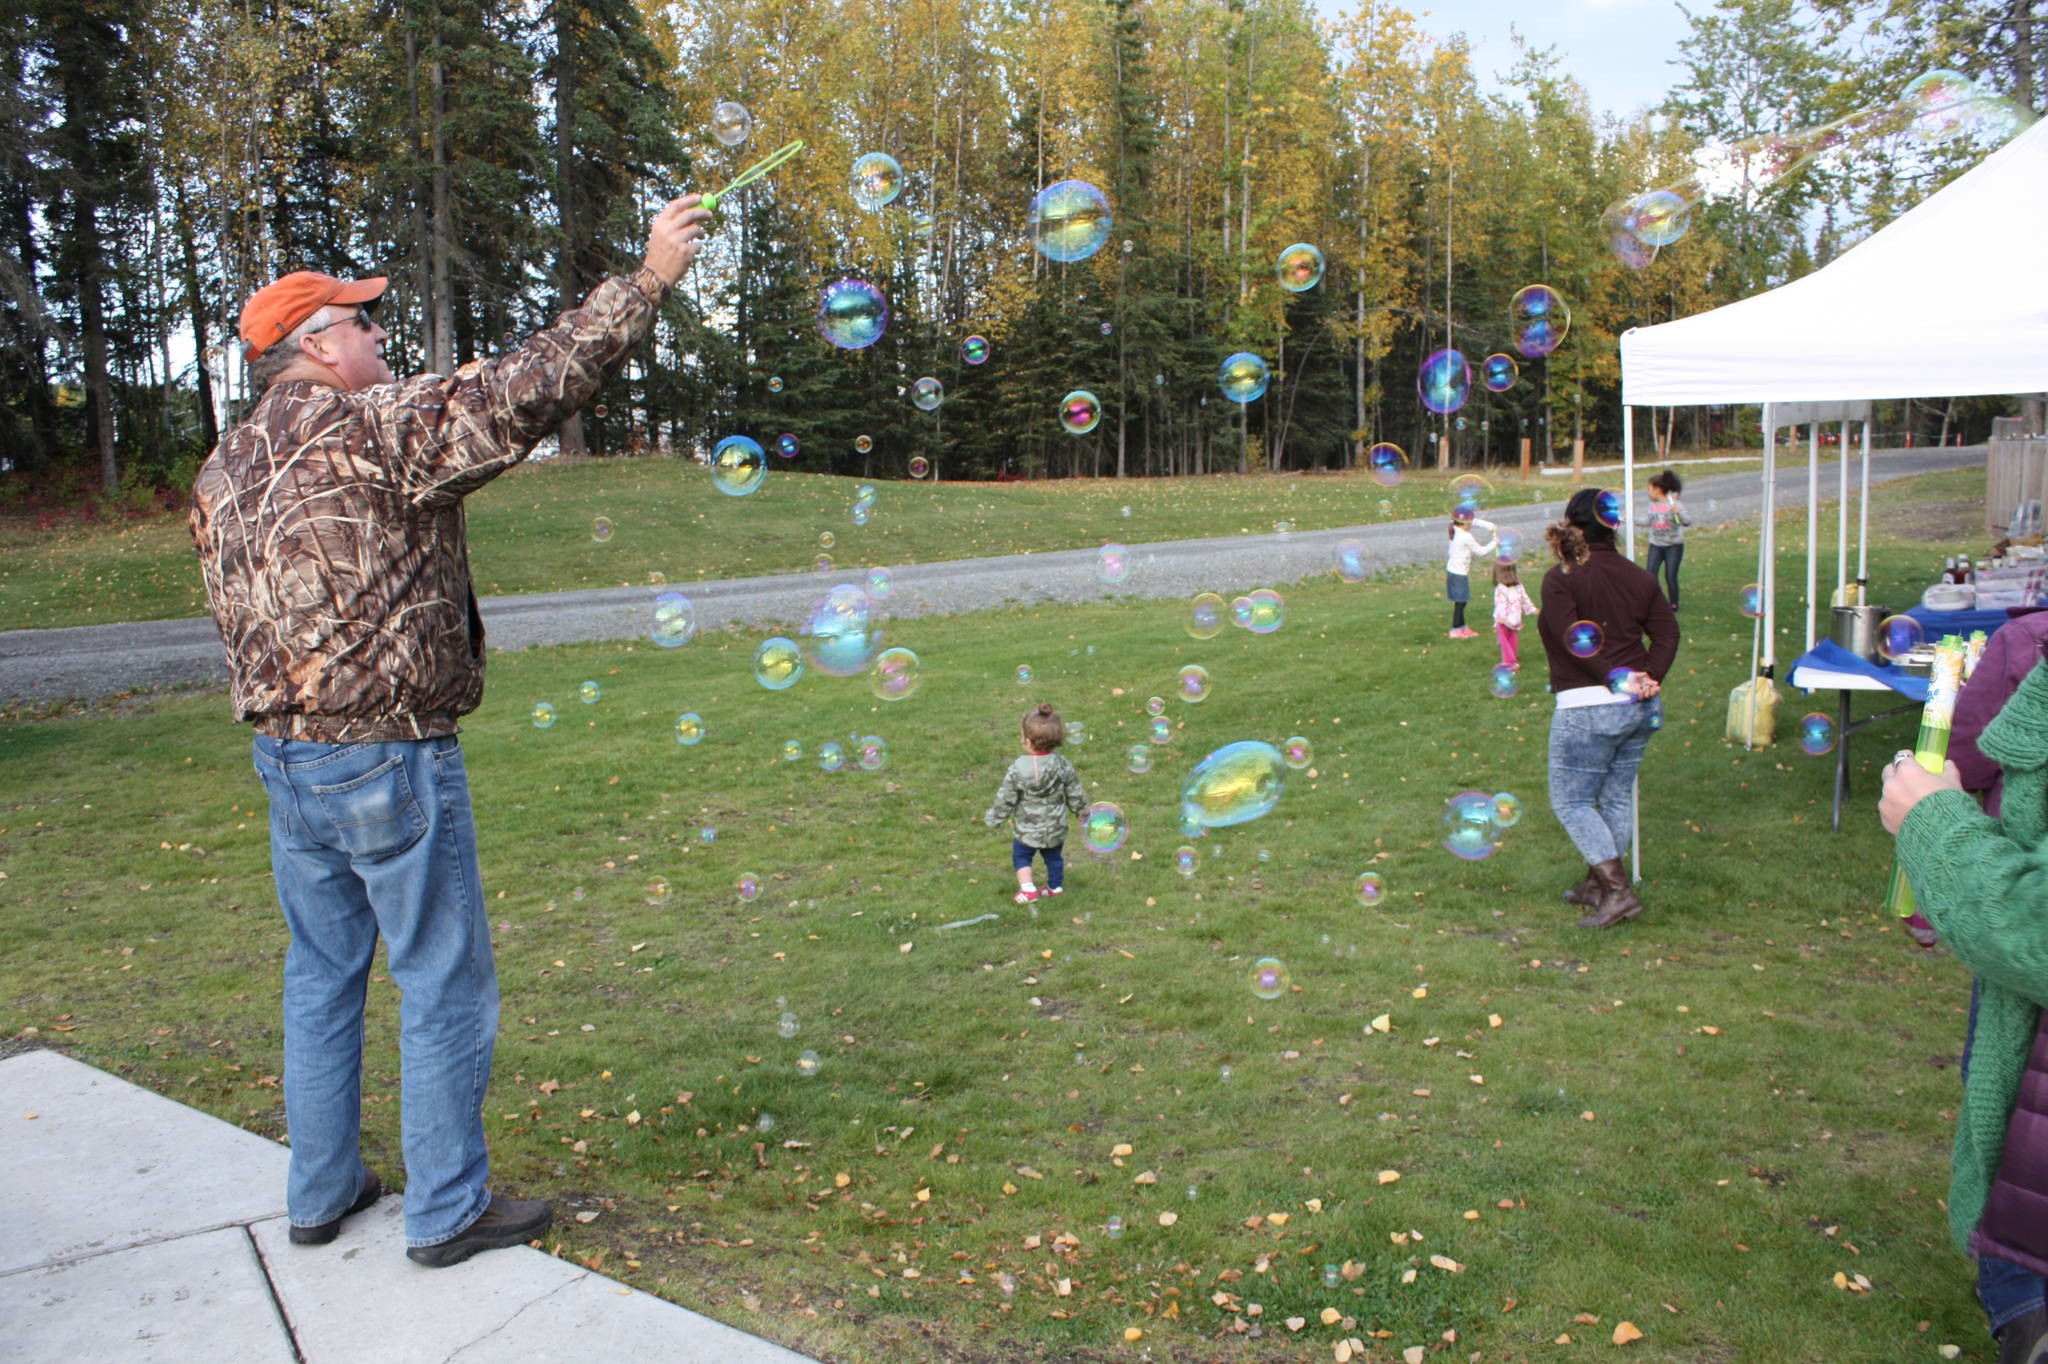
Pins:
x,y
1946,301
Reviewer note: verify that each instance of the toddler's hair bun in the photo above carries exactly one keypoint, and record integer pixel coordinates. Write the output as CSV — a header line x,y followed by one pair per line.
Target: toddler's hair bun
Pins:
x,y
1045,708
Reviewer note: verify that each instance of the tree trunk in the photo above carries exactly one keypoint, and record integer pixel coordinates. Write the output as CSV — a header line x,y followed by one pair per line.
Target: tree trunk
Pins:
x,y
566,208
195,303
441,351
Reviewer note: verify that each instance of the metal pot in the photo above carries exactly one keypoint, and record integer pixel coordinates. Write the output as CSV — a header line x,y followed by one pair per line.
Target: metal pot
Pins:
x,y
1855,629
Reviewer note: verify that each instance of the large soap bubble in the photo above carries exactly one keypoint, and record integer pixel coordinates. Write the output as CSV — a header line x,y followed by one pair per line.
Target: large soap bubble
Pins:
x,y
675,620
1070,220
897,674
1539,317
738,464
778,663
875,180
852,314
731,123
1104,828
1080,412
1299,267
927,393
1388,463
1470,830
841,634
1243,377
1205,615
974,350
1499,372
1234,785
1658,217
1444,381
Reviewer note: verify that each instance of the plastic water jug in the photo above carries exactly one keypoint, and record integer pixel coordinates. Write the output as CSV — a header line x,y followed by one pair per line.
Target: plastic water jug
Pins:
x,y
1753,713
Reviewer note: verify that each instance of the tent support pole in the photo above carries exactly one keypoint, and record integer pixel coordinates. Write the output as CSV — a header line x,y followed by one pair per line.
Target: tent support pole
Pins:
x,y
1863,519
1812,524
1628,533
1841,512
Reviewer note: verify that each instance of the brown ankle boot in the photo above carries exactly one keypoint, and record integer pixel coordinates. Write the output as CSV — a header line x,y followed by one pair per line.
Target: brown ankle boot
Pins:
x,y
1617,897
1586,892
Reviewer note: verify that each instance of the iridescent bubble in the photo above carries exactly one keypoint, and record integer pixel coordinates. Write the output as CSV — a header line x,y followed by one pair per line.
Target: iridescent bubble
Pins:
x,y
1386,508
974,350
1299,267
738,465
1622,682
1185,861
807,1064
1539,318
675,620
875,180
1370,889
1076,732
689,728
841,635
1107,328
1241,611
1444,381
1155,706
601,529
1469,830
1267,611
1297,752
920,467
1816,734
1193,683
924,224
927,393
787,445
871,754
1243,377
1104,828
1237,783
1507,809
880,584
707,834
749,885
778,663
831,757
1583,638
1503,685
1113,563
861,514
1161,730
788,1025
1205,615
658,892
792,750
1113,1228
1070,220
543,715
1499,372
1023,672
852,314
1658,217
1270,978
1191,825
1507,544
1080,412
1459,423
1628,250
1351,565
775,383
590,693
1469,495
730,123
1138,758
826,539
863,443
822,564
1898,636
1607,507
897,673
1388,463
1751,601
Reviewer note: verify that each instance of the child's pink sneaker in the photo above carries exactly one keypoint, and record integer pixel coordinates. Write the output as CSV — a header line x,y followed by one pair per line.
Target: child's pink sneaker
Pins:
x,y
1024,897
1055,890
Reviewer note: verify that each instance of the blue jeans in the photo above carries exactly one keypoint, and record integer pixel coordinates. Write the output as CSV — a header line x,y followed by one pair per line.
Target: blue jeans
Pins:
x,y
1055,862
1594,754
370,838
1670,556
2006,1290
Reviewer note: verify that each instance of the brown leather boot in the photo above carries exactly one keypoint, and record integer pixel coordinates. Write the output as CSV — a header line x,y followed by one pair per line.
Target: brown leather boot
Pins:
x,y
1617,897
1586,892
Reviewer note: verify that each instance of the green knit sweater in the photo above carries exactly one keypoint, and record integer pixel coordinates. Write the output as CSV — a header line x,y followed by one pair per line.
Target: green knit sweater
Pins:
x,y
1984,883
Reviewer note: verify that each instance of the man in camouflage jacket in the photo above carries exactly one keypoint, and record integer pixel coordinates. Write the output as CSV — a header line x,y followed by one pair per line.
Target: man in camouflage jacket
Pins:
x,y
330,528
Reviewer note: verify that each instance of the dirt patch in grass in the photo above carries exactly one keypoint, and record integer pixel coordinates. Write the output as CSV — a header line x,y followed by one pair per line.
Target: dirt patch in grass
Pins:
x,y
1959,520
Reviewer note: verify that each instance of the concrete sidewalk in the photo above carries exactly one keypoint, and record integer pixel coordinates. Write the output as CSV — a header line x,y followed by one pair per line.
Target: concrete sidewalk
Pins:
x,y
139,1229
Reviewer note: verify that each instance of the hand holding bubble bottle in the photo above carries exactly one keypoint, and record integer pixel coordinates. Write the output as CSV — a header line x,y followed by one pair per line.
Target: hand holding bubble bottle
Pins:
x,y
1931,749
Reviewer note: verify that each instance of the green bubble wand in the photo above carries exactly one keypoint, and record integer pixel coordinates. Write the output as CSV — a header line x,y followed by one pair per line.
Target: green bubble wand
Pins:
x,y
752,173
1930,750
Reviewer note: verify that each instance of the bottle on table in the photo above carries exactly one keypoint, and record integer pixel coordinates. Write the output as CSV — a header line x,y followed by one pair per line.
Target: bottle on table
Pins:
x,y
1948,570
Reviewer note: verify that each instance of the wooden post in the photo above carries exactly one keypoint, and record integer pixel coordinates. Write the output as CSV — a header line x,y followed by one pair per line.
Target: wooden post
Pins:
x,y
1578,462
1525,457
1443,452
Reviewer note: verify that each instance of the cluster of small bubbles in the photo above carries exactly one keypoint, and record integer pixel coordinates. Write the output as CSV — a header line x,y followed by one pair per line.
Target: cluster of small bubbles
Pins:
x,y
1583,638
920,467
1162,730
1069,220
1816,734
852,314
841,635
927,393
658,892
1751,601
601,529
1113,563
792,750
1351,560
1264,611
897,674
1185,860
1080,412
1297,752
1608,508
831,757
1370,889
880,584
730,123
1503,684
1898,636
807,1064
1299,267
775,383
1023,672
1236,784
1444,381
1205,615
1388,463
875,180
787,445
1539,317
1243,377
543,715
1469,828
749,885
1498,372
974,350
1104,828
778,663
1193,684
589,693
738,465
689,728
1270,978
1139,759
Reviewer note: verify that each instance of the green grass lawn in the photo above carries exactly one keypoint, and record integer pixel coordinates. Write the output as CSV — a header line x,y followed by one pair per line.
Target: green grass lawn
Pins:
x,y
530,531
1692,1123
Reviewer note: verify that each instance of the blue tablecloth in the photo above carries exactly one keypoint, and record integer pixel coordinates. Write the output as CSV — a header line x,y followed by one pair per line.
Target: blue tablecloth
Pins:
x,y
1832,656
1939,623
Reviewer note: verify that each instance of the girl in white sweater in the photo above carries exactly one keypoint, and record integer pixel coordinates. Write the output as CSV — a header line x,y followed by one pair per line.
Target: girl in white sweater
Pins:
x,y
1458,566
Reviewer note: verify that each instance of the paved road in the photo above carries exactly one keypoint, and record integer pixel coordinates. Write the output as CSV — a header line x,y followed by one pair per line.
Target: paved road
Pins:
x,y
102,660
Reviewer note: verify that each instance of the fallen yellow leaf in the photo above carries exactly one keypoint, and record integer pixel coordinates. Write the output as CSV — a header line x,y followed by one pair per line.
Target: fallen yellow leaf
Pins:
x,y
1133,1333
1389,1176
1167,1219
1626,1332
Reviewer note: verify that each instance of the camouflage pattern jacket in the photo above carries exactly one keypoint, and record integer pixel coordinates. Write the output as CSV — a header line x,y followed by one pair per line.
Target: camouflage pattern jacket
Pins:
x,y
331,532
1038,790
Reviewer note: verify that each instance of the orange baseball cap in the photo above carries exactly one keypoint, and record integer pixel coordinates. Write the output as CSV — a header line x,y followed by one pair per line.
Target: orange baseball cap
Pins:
x,y
274,310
